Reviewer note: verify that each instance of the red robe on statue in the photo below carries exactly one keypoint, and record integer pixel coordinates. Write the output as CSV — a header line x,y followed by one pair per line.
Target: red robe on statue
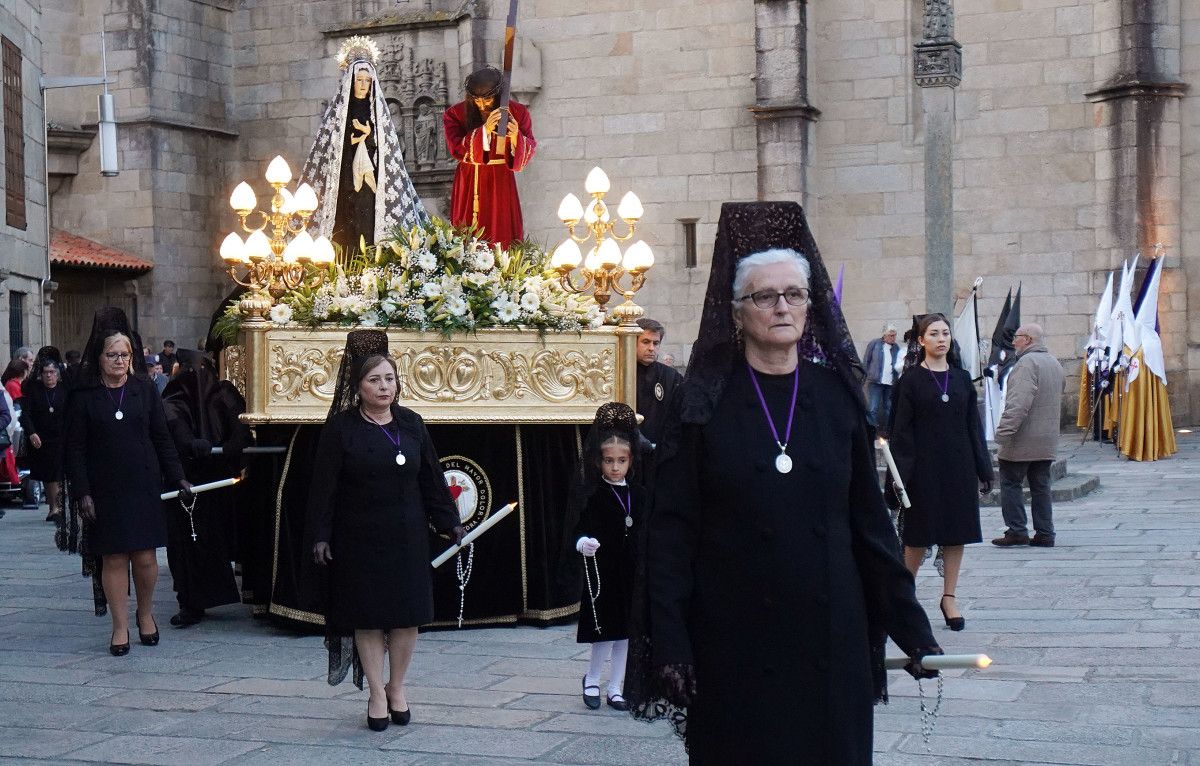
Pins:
x,y
488,173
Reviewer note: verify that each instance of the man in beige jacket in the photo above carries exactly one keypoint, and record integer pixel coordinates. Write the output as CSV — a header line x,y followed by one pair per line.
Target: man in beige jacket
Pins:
x,y
1028,438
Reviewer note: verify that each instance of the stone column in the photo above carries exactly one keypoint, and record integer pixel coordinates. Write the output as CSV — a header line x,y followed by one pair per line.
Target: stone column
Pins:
x,y
937,69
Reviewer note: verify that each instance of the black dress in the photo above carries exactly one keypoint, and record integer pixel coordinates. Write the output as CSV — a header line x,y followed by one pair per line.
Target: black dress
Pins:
x,y
941,456
769,583
43,411
604,519
375,515
122,464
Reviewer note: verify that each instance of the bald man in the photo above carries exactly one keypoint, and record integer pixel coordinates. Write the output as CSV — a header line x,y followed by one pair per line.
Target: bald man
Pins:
x,y
1028,439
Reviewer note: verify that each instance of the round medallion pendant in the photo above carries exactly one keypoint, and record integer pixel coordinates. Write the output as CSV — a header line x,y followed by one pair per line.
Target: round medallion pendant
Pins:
x,y
52,410
783,464
945,397
400,459
120,415
628,521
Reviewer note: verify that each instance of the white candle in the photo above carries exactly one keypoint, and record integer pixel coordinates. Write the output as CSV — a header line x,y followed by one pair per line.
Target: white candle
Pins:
x,y
942,662
471,536
203,487
897,482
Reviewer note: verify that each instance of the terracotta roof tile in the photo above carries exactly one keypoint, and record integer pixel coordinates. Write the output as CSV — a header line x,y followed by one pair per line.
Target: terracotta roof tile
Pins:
x,y
77,252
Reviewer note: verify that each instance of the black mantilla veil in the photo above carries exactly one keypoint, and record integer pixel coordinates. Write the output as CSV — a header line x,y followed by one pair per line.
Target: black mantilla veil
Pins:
x,y
360,346
71,534
745,228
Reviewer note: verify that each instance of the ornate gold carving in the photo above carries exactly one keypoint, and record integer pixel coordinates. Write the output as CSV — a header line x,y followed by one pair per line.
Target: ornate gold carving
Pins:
x,y
460,374
311,371
233,367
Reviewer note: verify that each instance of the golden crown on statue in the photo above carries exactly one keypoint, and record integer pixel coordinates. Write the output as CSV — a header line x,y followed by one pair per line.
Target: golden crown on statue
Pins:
x,y
358,48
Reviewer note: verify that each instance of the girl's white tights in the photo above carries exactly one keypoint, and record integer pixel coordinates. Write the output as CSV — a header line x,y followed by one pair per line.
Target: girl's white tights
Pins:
x,y
601,651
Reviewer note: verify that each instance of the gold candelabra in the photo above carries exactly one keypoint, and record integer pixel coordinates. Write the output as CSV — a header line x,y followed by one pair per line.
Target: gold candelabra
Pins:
x,y
274,264
604,265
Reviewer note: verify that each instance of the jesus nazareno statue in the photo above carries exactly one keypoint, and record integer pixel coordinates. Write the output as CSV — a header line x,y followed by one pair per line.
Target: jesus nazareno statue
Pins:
x,y
356,165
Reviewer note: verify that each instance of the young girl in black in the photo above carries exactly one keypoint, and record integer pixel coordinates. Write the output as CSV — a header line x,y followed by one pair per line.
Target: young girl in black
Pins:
x,y
605,537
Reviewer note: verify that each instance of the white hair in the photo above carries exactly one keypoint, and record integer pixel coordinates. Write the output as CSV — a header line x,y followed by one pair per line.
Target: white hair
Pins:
x,y
767,258
889,327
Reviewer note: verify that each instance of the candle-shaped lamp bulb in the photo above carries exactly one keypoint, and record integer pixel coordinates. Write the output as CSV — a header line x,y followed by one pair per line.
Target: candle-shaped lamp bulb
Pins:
x,y
570,209
233,249
566,255
630,208
597,182
278,172
243,199
306,199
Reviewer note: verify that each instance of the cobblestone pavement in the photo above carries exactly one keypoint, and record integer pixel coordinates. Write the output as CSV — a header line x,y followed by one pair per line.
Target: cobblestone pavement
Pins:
x,y
1096,644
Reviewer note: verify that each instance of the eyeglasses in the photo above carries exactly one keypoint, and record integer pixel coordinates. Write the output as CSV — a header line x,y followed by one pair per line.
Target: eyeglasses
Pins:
x,y
117,356
768,299
1024,335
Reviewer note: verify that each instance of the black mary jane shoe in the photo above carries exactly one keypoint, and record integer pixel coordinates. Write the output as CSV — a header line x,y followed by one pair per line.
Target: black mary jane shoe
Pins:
x,y
618,703
591,700
119,650
149,639
953,623
400,717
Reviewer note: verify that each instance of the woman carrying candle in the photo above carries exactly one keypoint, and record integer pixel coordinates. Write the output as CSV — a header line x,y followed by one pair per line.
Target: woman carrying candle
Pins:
x,y
118,452
773,576
937,444
381,487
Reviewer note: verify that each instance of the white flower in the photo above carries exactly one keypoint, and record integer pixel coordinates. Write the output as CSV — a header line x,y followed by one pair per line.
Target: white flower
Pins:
x,y
451,285
396,284
431,289
484,260
426,260
281,313
387,307
530,302
532,284
456,305
369,319
415,313
507,312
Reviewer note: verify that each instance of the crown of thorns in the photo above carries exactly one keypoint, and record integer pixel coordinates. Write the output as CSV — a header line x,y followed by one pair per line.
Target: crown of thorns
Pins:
x,y
358,48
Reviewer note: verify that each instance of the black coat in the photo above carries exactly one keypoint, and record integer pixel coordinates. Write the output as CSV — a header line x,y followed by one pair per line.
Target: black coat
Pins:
x,y
122,464
375,515
604,519
656,385
769,583
45,462
940,453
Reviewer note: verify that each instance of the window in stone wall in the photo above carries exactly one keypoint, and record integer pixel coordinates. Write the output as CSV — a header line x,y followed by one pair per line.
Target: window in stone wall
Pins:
x,y
14,136
16,321
689,241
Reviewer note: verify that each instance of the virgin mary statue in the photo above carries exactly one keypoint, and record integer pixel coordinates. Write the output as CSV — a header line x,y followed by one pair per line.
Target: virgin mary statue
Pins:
x,y
356,166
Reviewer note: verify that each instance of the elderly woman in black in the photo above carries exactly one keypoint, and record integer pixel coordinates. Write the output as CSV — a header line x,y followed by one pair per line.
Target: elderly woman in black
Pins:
x,y
42,412
773,574
378,488
118,452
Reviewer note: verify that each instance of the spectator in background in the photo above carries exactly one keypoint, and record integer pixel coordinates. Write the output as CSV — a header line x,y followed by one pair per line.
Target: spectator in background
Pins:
x,y
157,375
166,357
14,375
883,361
26,355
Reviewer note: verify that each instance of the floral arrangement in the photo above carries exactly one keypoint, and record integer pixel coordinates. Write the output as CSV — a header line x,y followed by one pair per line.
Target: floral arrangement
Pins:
x,y
436,277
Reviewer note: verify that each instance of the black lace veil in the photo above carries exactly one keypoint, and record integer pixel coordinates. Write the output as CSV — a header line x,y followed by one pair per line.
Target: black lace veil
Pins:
x,y
745,228
360,346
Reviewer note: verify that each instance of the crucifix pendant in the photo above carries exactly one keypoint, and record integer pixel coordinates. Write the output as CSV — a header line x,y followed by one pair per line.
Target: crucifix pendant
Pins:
x,y
193,537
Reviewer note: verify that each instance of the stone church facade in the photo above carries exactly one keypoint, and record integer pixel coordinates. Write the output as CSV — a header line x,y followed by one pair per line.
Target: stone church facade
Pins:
x,y
1033,143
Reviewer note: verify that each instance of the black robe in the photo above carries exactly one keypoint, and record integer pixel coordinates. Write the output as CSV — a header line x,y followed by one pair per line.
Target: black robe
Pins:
x,y
198,407
45,463
375,515
655,387
940,452
770,583
121,464
354,219
604,519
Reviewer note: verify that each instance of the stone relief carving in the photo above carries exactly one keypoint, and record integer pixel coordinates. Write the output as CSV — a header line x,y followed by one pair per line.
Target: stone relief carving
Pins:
x,y
938,64
939,20
418,93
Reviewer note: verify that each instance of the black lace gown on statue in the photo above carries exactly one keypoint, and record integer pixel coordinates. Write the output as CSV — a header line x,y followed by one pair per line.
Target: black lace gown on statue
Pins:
x,y
375,515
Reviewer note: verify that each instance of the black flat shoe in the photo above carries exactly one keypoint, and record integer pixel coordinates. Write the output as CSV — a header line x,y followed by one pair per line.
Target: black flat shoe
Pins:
x,y
120,650
953,623
618,703
591,700
187,617
377,724
149,639
400,717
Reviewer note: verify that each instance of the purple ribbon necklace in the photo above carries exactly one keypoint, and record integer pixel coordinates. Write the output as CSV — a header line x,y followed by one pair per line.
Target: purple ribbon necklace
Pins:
x,y
943,385
400,459
783,462
118,403
626,505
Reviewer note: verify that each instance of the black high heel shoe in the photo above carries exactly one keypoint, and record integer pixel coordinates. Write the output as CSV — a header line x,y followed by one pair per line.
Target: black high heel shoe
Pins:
x,y
149,639
376,724
400,717
120,650
953,623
